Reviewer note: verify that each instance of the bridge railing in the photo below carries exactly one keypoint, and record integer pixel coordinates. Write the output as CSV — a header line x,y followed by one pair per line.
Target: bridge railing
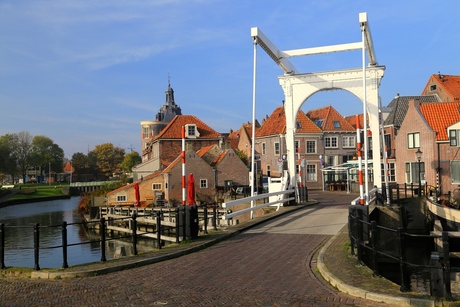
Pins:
x,y
249,200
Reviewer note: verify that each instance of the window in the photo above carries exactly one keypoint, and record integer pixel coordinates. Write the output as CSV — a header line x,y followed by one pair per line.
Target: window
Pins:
x,y
330,142
268,169
264,148
145,133
391,172
191,131
455,172
121,197
319,122
348,141
156,186
413,140
296,145
311,172
433,87
412,172
203,183
336,124
277,149
453,137
311,146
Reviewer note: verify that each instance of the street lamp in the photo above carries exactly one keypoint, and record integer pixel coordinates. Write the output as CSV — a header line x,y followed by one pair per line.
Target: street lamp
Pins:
x,y
418,155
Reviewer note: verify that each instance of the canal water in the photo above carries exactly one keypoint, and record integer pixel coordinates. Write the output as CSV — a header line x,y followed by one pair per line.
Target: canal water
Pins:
x,y
19,221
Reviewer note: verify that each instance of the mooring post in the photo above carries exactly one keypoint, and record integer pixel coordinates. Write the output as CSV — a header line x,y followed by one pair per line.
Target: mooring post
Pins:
x,y
64,245
36,246
102,227
2,246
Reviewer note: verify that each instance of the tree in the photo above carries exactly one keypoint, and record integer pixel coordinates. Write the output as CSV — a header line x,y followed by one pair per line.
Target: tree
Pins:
x,y
8,163
109,158
46,153
131,159
242,155
23,150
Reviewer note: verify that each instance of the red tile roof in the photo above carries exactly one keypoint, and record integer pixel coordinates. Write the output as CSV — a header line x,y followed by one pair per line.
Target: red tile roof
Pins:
x,y
329,115
440,116
450,84
174,129
276,124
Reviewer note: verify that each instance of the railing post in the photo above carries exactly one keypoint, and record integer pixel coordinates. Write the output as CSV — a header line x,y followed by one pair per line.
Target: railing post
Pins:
x,y
446,267
214,216
374,248
159,230
184,224
36,246
402,270
102,227
352,228
177,224
64,245
2,246
359,231
134,226
205,218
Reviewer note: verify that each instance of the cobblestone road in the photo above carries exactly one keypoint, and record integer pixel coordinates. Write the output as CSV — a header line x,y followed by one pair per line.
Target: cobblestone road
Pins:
x,y
273,265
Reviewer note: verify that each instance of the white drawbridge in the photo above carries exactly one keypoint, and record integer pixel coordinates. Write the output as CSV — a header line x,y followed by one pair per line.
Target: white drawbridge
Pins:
x,y
363,82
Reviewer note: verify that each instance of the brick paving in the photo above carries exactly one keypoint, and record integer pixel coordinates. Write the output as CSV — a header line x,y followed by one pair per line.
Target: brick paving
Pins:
x,y
255,268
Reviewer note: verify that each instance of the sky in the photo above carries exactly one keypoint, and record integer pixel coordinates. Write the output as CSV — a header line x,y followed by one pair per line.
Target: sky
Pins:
x,y
84,73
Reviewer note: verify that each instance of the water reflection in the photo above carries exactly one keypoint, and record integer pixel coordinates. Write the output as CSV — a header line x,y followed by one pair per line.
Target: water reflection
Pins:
x,y
19,223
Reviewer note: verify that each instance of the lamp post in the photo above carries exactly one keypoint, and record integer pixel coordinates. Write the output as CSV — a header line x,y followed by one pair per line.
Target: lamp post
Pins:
x,y
418,155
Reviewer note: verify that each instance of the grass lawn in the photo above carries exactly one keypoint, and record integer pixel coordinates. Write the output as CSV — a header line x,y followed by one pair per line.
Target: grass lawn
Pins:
x,y
26,191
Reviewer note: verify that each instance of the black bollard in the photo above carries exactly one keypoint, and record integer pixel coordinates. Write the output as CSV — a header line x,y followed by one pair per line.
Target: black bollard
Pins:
x,y
134,226
102,223
64,245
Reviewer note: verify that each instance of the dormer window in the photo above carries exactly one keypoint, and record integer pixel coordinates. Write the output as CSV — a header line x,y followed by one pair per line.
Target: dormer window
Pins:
x,y
336,124
191,131
454,138
319,122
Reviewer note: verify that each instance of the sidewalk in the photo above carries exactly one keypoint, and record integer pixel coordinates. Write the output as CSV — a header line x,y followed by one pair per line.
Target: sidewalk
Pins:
x,y
334,262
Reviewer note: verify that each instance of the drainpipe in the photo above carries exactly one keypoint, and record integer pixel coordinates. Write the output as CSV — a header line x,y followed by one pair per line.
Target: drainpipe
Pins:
x,y
438,173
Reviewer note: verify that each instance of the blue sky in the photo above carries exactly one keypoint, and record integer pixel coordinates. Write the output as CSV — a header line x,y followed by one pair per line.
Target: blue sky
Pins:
x,y
85,73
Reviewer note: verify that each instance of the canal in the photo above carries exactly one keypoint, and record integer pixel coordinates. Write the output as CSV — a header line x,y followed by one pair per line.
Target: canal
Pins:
x,y
19,221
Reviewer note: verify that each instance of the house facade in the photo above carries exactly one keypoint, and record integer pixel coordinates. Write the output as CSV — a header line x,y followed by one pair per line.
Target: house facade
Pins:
x,y
163,149
432,129
211,167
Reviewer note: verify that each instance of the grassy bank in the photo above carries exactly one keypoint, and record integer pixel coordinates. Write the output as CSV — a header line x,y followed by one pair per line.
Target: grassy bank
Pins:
x,y
34,191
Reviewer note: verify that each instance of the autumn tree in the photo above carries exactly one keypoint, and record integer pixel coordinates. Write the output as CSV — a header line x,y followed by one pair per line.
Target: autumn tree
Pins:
x,y
131,159
109,158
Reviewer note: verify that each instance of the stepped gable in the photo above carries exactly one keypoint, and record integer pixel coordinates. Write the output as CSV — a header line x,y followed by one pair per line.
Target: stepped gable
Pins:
x,y
174,129
326,117
276,124
399,106
440,116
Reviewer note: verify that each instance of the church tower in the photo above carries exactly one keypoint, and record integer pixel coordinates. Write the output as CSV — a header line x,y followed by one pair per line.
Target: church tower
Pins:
x,y
151,128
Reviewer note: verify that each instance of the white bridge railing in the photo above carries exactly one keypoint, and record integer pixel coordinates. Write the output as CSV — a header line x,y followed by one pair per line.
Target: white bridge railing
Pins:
x,y
281,199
